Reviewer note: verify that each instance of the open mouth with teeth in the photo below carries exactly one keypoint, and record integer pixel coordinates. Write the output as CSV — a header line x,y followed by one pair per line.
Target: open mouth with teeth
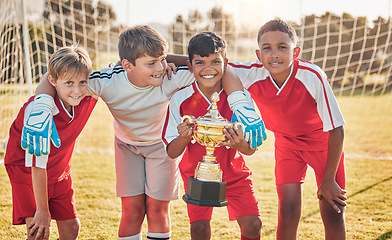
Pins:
x,y
275,64
208,76
157,76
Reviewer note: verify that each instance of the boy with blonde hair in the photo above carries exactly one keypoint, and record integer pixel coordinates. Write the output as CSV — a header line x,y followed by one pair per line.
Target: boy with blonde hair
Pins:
x,y
42,185
297,104
137,94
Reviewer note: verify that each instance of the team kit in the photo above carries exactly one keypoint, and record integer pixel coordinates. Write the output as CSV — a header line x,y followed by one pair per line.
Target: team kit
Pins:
x,y
182,120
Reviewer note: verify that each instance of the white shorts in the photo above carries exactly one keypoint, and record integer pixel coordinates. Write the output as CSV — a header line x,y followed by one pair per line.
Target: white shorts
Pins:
x,y
146,170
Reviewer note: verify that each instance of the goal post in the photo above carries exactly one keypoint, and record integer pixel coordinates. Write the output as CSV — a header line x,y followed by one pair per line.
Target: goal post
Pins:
x,y
355,53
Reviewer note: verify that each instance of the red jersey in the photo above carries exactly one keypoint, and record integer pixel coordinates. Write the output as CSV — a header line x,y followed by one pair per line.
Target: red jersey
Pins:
x,y
59,159
301,111
190,101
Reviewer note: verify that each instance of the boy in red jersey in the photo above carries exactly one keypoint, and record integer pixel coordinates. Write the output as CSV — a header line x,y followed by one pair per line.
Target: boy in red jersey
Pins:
x,y
297,104
207,62
41,185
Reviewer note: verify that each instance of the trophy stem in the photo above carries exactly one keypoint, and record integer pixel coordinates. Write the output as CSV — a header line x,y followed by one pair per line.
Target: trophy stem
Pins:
x,y
209,157
208,169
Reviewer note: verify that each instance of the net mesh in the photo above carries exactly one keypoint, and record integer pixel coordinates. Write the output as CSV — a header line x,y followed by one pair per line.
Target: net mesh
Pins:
x,y
354,52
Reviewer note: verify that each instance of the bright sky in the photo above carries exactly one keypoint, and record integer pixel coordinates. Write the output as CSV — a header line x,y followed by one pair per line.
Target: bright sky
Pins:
x,y
248,12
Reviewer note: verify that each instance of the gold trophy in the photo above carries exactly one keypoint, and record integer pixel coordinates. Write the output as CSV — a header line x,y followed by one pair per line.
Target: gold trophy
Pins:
x,y
206,188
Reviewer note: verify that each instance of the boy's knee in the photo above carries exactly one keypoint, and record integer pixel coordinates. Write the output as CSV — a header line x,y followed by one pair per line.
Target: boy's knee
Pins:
x,y
255,225
200,230
76,226
132,214
69,229
157,209
75,229
290,210
330,216
251,227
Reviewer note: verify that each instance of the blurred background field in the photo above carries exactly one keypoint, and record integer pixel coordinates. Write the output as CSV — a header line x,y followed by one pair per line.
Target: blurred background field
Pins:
x,y
355,52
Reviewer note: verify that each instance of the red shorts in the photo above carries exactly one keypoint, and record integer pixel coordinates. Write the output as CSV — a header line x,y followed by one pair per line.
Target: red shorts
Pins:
x,y
240,196
61,201
291,166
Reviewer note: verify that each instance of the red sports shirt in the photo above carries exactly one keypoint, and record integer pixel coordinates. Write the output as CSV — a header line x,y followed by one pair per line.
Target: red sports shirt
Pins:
x,y
59,161
301,111
190,101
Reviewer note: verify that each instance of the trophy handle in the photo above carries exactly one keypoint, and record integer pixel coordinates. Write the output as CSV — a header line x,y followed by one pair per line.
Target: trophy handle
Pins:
x,y
239,124
186,117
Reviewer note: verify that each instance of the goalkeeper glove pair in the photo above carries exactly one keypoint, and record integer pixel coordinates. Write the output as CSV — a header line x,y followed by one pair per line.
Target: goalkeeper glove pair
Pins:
x,y
40,129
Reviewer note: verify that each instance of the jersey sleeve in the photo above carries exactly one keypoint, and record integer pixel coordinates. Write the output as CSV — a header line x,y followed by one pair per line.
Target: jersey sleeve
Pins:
x,y
98,80
172,120
327,105
181,79
249,72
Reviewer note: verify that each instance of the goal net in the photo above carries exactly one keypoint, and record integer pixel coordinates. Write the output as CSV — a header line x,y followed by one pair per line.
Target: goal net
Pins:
x,y
354,52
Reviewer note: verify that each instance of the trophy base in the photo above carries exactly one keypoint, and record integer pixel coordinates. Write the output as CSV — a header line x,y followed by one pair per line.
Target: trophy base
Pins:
x,y
207,194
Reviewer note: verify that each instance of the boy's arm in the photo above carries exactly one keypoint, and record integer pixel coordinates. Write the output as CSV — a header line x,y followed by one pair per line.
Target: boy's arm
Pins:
x,y
44,87
243,110
329,189
39,128
176,147
178,60
231,82
41,221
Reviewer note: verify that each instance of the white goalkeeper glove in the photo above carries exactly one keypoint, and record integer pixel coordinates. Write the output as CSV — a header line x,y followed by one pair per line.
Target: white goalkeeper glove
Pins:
x,y
244,112
39,128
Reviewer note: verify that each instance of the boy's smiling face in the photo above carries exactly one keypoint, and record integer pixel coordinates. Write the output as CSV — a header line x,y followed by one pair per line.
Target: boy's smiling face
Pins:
x,y
71,90
276,52
208,71
147,71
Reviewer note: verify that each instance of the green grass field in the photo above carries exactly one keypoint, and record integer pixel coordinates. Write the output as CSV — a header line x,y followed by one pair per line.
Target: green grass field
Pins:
x,y
369,214
368,148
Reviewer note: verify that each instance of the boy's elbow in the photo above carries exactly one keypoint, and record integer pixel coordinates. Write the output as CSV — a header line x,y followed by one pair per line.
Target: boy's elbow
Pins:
x,y
340,131
337,134
172,155
249,152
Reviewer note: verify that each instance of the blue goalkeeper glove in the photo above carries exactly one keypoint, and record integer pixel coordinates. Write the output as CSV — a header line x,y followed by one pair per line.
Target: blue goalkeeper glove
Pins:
x,y
39,128
244,112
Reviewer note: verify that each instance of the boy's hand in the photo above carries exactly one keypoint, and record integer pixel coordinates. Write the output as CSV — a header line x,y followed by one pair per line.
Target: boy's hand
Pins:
x,y
171,69
185,129
235,139
40,225
243,112
333,194
39,128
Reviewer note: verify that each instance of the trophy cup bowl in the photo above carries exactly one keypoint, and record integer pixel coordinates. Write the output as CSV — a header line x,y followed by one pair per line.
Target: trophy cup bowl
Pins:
x,y
206,188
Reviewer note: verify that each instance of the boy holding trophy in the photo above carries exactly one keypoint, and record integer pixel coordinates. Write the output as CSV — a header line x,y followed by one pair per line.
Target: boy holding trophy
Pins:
x,y
207,61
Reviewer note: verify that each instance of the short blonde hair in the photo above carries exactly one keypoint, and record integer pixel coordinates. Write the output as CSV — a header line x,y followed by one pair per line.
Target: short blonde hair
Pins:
x,y
139,41
68,62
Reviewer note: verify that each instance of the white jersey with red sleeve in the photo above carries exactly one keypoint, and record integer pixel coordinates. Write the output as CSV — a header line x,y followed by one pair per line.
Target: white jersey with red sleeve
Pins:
x,y
301,111
138,112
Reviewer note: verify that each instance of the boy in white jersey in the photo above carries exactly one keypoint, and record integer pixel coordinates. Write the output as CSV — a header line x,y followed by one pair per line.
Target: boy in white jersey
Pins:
x,y
297,104
137,94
